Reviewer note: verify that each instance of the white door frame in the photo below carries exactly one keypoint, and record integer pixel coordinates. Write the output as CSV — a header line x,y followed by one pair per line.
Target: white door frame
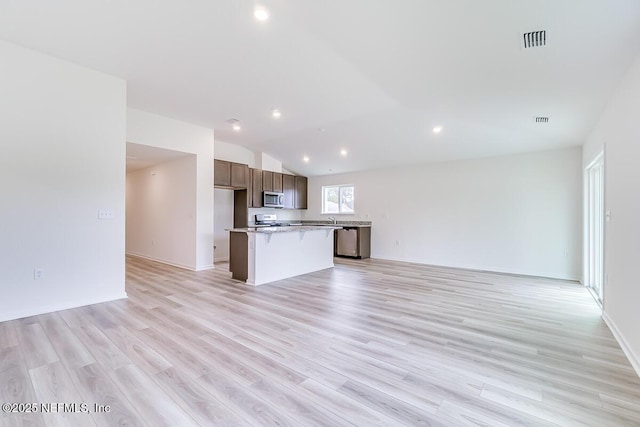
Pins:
x,y
594,220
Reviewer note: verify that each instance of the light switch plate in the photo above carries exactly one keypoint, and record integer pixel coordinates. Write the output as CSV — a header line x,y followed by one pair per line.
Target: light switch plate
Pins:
x,y
105,214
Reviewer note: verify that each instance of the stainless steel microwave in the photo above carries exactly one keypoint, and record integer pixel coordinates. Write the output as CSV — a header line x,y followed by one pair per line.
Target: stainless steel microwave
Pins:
x,y
271,199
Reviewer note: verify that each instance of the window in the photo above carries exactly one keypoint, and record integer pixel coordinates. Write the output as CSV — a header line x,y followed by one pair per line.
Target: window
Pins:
x,y
337,199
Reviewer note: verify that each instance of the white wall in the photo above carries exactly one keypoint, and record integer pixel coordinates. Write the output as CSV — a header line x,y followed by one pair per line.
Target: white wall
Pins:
x,y
62,130
234,153
157,131
516,214
161,212
268,163
223,220
619,129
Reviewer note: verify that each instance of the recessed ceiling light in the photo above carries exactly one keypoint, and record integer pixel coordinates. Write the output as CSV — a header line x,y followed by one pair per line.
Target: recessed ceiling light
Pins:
x,y
261,14
276,113
437,129
343,152
306,159
322,130
236,127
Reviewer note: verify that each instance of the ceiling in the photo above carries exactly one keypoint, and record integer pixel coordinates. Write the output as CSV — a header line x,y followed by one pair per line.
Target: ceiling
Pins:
x,y
371,77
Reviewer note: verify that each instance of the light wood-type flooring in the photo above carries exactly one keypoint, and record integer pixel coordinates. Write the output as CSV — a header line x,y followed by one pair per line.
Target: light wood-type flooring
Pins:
x,y
366,343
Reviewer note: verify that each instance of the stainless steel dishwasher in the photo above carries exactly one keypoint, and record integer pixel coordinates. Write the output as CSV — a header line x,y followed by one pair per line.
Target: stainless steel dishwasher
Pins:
x,y
347,242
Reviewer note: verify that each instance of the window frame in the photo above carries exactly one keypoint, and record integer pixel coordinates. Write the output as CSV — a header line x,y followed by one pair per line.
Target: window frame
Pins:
x,y
339,187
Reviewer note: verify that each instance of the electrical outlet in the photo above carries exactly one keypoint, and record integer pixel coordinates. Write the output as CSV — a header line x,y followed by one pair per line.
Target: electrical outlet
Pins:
x,y
38,273
105,214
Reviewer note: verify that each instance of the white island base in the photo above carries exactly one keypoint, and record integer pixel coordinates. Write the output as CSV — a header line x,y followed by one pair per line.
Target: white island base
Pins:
x,y
276,254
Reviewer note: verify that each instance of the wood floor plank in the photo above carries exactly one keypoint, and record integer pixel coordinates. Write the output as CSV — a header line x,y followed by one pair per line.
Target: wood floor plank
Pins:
x,y
349,409
93,383
369,342
8,335
35,345
142,356
265,365
71,351
102,348
203,407
74,318
154,406
53,385
244,402
16,387
296,404
120,312
389,405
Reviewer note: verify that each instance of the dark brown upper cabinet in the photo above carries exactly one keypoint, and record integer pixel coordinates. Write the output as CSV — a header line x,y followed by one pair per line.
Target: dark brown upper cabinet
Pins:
x,y
267,181
221,173
289,189
256,188
277,182
256,181
239,175
300,198
230,175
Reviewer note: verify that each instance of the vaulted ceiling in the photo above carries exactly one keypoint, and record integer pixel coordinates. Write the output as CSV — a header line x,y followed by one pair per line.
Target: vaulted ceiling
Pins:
x,y
371,77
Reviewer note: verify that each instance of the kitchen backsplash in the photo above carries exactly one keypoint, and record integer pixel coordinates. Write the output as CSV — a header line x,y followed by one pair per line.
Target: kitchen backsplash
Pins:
x,y
283,214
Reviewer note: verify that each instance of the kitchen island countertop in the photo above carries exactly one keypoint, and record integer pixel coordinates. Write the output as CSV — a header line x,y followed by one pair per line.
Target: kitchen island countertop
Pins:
x,y
285,229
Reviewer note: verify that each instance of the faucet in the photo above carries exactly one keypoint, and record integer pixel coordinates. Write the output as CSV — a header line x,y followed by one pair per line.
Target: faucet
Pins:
x,y
333,220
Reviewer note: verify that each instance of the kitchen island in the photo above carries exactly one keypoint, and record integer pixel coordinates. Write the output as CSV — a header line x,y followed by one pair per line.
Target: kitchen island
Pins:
x,y
263,255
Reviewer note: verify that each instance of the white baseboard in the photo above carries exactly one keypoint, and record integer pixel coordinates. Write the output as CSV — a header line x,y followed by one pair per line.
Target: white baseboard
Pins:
x,y
19,314
206,267
542,275
633,358
223,259
163,261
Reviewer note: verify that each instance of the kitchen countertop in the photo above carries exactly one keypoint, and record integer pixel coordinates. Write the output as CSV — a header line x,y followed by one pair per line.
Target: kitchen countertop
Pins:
x,y
339,223
285,229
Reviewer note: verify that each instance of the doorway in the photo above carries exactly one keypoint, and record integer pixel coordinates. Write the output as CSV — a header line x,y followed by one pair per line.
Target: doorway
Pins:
x,y
222,222
594,227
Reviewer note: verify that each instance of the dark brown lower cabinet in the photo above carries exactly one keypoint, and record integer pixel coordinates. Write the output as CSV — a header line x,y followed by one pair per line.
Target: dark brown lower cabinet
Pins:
x,y
239,255
240,205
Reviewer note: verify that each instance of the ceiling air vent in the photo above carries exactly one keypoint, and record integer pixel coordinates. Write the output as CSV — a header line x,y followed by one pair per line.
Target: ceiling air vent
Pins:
x,y
534,39
542,119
